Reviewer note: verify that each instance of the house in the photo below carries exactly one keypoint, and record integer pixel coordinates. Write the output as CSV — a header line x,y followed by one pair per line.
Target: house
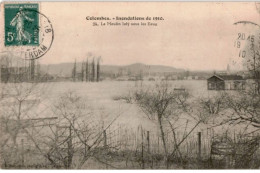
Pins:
x,y
226,82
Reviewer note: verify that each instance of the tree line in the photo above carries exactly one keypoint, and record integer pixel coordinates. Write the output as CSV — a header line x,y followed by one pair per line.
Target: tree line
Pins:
x,y
89,72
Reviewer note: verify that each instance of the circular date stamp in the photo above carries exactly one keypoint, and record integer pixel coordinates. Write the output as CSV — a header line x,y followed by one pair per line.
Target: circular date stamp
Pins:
x,y
28,33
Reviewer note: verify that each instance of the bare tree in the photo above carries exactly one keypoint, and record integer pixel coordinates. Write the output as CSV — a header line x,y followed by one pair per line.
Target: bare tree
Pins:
x,y
212,107
32,70
74,71
93,70
253,60
77,135
82,71
239,112
87,71
98,69
17,108
245,107
165,105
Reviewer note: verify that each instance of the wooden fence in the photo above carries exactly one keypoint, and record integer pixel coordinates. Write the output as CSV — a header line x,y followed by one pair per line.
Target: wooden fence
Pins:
x,y
197,144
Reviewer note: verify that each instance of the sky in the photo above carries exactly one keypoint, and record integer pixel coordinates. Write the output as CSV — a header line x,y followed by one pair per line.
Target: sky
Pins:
x,y
193,35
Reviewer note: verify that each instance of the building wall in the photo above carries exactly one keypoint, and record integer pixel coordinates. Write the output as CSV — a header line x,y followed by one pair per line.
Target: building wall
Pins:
x,y
234,84
215,83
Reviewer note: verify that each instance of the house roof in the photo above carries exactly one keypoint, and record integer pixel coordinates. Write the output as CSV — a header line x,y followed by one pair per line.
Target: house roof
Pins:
x,y
228,77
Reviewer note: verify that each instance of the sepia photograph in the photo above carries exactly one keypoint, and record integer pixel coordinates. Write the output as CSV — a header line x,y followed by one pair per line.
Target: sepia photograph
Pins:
x,y
129,85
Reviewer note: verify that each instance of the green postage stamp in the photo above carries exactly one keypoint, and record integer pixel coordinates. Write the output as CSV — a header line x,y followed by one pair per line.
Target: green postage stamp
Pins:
x,y
21,24
28,32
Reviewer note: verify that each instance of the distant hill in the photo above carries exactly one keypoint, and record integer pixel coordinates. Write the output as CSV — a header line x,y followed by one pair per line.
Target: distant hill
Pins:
x,y
65,69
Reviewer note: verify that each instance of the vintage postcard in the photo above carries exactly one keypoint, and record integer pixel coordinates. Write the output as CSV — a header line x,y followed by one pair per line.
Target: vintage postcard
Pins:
x,y
130,85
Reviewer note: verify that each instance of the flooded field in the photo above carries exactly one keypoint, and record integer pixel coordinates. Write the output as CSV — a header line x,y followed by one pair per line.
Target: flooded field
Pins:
x,y
100,97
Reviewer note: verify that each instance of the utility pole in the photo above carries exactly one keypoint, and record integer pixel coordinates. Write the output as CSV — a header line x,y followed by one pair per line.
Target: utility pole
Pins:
x,y
74,70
